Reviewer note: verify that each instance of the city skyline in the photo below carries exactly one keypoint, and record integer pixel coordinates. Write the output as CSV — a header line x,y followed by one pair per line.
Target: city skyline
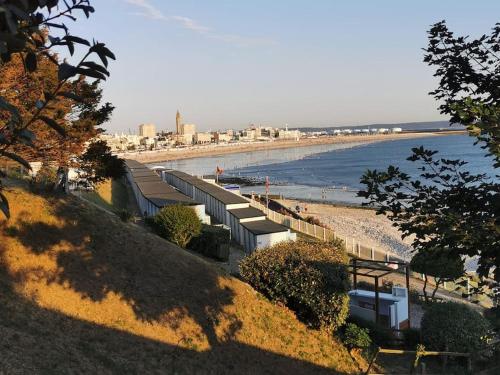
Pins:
x,y
227,65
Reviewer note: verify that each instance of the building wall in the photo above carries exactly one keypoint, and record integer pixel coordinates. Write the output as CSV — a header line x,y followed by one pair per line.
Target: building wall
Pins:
x,y
188,129
147,130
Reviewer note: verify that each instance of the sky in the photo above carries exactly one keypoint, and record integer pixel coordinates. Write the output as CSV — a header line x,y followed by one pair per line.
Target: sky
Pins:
x,y
230,63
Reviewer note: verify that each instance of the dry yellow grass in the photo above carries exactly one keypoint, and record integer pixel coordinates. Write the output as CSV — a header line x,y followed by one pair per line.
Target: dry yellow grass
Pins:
x,y
82,292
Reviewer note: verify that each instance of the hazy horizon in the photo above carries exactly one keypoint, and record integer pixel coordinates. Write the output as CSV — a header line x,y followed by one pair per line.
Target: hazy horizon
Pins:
x,y
228,64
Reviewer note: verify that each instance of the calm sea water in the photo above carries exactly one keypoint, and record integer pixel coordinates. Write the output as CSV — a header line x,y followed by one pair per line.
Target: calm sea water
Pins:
x,y
332,172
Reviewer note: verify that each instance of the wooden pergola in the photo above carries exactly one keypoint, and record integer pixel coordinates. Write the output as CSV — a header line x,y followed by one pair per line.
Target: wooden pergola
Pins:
x,y
377,269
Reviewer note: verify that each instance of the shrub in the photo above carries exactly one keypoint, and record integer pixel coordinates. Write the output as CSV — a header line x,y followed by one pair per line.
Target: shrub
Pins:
x,y
411,338
46,178
125,215
177,223
212,242
356,337
380,335
453,327
309,278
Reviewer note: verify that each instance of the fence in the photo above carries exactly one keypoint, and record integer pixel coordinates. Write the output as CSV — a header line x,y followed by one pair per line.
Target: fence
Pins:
x,y
352,245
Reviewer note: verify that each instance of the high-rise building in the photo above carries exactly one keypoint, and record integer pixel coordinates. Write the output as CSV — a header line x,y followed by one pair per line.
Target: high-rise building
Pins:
x,y
188,129
147,130
178,122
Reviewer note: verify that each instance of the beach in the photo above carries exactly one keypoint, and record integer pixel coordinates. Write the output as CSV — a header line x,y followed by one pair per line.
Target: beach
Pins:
x,y
219,149
362,224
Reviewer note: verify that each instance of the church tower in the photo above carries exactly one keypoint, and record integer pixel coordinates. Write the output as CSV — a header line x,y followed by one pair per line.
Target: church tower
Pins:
x,y
178,122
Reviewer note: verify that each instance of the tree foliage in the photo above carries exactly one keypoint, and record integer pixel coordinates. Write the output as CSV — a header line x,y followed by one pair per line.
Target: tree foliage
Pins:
x,y
443,265
178,224
446,208
309,278
454,327
97,163
469,87
30,29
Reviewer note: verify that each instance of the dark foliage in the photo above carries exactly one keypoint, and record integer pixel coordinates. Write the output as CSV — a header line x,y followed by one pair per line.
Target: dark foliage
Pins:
x,y
380,335
212,242
454,327
178,224
32,28
98,164
309,278
447,209
443,265
469,73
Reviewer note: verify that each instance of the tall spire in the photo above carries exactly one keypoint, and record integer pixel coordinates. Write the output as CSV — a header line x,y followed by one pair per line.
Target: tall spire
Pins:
x,y
178,122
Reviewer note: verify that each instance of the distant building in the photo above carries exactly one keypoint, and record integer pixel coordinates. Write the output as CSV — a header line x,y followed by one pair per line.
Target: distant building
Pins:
x,y
396,130
147,130
178,122
187,129
203,138
222,137
183,139
288,134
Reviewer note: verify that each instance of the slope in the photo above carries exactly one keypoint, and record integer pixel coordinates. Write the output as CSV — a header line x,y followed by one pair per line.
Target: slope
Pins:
x,y
82,292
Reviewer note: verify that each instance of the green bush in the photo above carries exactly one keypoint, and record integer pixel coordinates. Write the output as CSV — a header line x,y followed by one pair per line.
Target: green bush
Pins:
x,y
212,242
309,278
125,215
356,337
177,223
380,335
454,327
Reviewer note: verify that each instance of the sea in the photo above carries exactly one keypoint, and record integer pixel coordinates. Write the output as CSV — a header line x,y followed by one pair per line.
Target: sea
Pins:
x,y
331,173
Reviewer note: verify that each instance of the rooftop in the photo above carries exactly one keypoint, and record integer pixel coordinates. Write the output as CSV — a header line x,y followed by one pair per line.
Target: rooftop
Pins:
x,y
264,227
245,213
215,191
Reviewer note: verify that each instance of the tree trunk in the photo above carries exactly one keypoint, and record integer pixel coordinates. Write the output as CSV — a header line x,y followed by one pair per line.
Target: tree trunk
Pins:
x,y
424,289
438,282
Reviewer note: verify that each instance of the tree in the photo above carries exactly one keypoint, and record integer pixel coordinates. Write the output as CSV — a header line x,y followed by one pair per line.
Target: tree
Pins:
x,y
97,163
442,265
454,327
446,208
79,119
29,29
178,224
469,72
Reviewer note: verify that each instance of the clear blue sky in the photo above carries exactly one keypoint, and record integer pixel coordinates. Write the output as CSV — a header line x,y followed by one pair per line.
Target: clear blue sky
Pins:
x,y
228,63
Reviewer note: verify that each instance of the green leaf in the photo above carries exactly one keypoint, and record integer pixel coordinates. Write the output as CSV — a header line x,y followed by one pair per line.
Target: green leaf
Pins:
x,y
66,71
31,63
94,66
76,39
91,73
53,124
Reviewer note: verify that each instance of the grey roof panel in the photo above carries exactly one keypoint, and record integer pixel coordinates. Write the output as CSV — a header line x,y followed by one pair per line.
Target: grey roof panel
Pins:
x,y
215,191
245,213
264,227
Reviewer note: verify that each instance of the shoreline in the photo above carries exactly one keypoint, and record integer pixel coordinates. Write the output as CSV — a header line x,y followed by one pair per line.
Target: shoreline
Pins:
x,y
361,223
214,150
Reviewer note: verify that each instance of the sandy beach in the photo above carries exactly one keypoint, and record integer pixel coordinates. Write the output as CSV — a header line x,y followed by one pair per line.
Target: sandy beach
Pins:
x,y
211,150
362,224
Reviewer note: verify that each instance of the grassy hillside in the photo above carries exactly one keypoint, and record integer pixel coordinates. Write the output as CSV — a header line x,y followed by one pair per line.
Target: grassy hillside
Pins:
x,y
80,291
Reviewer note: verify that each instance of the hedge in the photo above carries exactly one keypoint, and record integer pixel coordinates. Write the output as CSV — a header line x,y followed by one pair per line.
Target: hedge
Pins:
x,y
177,223
453,327
310,278
212,242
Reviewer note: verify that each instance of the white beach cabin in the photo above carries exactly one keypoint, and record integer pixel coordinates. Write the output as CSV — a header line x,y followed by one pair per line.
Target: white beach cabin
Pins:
x,y
393,308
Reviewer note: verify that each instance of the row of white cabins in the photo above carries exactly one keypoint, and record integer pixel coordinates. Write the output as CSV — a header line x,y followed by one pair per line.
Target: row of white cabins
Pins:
x,y
249,226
